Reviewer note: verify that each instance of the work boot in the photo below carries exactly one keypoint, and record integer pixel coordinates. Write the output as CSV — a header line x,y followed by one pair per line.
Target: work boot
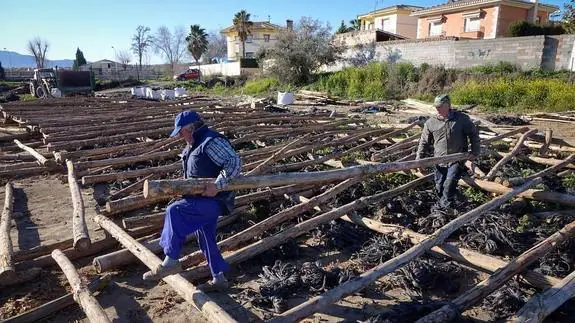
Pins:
x,y
220,285
161,272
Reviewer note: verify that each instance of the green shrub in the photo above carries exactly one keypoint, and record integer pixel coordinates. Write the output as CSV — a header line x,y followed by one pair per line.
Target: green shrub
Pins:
x,y
260,86
524,28
519,94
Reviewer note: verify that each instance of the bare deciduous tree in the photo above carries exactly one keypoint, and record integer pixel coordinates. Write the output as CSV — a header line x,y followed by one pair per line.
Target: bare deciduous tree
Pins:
x,y
124,57
38,48
217,48
141,41
171,46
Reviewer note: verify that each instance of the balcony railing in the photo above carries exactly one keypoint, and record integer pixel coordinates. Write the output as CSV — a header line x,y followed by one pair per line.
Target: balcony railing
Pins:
x,y
480,33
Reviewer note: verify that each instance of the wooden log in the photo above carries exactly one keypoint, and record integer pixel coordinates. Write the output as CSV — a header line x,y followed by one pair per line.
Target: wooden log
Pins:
x,y
79,227
129,160
47,309
533,159
24,157
26,171
548,138
184,288
301,228
38,251
472,296
18,166
192,186
520,180
23,276
109,131
133,202
61,156
130,189
516,150
557,148
542,305
273,221
43,161
118,176
405,143
82,295
124,257
7,271
438,237
504,135
95,248
99,140
259,169
269,193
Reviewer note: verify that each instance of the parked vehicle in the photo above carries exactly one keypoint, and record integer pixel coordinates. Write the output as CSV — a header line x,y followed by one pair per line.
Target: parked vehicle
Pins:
x,y
190,74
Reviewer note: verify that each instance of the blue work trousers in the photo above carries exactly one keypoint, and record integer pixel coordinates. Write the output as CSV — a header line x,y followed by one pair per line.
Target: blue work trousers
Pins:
x,y
197,215
446,178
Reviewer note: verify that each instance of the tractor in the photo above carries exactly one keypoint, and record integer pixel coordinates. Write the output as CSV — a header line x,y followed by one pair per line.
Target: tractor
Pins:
x,y
49,82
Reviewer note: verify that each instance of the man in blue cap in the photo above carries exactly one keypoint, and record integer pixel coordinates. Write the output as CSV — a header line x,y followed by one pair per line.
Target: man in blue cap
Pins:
x,y
207,155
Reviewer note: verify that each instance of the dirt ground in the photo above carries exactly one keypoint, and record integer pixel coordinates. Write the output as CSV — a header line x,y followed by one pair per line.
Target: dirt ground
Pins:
x,y
42,215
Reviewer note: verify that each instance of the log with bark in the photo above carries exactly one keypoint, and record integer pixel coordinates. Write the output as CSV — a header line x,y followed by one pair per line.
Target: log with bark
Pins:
x,y
195,186
47,309
118,176
82,295
7,271
472,296
321,302
184,288
278,155
79,226
124,161
548,138
542,305
520,180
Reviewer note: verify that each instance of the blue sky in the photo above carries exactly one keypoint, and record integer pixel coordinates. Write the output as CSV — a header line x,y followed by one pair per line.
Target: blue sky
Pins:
x,y
98,25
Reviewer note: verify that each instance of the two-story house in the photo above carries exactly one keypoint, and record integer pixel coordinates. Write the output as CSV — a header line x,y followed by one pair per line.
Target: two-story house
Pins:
x,y
262,33
394,20
478,19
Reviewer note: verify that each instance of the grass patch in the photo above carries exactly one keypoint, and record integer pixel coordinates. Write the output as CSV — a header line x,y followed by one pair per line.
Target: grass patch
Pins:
x,y
27,97
261,86
517,95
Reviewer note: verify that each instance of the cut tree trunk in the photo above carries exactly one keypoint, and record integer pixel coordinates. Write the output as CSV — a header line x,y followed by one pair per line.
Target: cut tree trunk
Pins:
x,y
321,302
472,296
47,309
79,227
43,161
7,271
132,203
212,311
129,160
542,305
516,150
196,186
82,295
106,178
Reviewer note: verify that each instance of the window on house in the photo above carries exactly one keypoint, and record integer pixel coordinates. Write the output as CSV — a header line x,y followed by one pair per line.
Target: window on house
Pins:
x,y
267,38
249,39
472,24
386,25
249,55
435,28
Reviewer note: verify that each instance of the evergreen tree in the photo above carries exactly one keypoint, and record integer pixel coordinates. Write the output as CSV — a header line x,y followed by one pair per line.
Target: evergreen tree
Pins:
x,y
80,60
2,75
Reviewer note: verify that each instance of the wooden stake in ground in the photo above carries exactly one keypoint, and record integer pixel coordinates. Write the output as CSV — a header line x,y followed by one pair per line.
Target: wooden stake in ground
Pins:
x,y
548,137
196,186
7,271
82,295
321,302
184,288
39,157
472,296
516,150
79,227
542,305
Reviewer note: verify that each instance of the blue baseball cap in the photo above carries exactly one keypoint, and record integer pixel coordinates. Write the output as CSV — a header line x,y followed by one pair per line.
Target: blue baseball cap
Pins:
x,y
183,119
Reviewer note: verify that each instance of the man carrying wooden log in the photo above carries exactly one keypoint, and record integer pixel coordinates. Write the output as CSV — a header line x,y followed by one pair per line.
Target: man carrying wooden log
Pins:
x,y
448,132
207,155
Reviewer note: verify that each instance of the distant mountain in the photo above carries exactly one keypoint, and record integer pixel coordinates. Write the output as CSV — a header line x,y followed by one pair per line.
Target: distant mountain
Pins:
x,y
13,59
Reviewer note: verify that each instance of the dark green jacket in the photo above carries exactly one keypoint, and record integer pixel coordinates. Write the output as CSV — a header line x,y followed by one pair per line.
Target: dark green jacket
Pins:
x,y
449,136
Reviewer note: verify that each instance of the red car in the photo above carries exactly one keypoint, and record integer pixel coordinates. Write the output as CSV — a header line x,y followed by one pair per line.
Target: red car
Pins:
x,y
190,74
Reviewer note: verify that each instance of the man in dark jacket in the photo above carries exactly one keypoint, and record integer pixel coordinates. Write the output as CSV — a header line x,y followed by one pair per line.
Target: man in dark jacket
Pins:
x,y
207,155
448,132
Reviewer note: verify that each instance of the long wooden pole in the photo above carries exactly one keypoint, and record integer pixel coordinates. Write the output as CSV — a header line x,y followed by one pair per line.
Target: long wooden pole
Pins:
x,y
520,180
542,305
472,296
274,157
79,227
7,271
130,189
516,150
193,186
82,295
184,288
320,302
105,178
43,161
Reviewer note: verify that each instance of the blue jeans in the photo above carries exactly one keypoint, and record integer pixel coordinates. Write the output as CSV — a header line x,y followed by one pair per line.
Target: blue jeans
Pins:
x,y
446,178
197,215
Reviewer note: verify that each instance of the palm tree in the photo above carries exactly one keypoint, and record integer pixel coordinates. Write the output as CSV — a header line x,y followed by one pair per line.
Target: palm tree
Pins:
x,y
242,25
355,24
197,42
